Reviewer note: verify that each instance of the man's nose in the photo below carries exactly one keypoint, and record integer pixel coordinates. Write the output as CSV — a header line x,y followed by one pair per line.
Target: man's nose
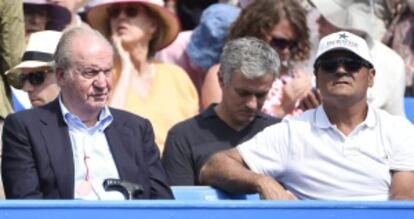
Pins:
x,y
252,102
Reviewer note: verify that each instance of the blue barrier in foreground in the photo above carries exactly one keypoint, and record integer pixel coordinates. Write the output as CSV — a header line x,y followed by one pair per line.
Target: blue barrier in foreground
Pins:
x,y
409,108
238,209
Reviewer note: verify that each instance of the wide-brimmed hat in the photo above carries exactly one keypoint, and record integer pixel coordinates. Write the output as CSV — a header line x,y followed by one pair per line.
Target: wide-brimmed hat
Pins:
x,y
347,14
59,16
39,53
208,37
344,41
97,17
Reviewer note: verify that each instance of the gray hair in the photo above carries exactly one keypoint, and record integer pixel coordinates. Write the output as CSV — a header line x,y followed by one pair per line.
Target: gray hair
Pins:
x,y
63,56
252,57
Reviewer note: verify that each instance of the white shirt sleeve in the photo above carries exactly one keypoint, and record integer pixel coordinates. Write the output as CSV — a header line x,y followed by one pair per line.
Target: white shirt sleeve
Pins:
x,y
401,154
266,152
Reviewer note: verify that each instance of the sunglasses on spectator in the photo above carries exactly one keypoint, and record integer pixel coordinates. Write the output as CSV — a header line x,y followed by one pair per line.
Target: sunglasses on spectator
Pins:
x,y
281,43
350,64
35,78
115,11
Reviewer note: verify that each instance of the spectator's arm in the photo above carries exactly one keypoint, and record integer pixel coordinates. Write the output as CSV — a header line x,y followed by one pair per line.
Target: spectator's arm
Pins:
x,y
176,160
402,185
226,170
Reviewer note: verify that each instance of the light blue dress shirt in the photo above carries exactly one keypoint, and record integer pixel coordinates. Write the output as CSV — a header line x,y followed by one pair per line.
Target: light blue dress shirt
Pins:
x,y
92,156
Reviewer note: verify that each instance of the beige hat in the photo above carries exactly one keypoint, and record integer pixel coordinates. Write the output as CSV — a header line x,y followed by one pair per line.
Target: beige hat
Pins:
x,y
97,18
39,51
347,14
344,41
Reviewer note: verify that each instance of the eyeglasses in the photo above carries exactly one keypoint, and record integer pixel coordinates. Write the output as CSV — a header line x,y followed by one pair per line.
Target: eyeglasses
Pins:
x,y
281,43
35,78
115,11
350,64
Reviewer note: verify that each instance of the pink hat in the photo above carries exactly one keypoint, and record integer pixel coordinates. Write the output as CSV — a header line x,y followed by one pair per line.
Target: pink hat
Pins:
x,y
97,18
59,16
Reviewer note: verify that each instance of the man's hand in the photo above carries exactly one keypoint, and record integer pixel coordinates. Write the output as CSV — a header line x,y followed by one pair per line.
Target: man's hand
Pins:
x,y
270,189
312,100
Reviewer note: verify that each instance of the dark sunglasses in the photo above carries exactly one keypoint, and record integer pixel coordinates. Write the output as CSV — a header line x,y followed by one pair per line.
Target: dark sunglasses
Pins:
x,y
115,11
35,78
280,43
350,64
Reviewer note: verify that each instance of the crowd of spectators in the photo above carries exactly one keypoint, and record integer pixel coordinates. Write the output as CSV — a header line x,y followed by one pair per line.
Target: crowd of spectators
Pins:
x,y
189,84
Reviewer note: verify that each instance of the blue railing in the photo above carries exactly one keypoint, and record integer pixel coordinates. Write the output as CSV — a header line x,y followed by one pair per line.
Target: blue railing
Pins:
x,y
409,108
205,205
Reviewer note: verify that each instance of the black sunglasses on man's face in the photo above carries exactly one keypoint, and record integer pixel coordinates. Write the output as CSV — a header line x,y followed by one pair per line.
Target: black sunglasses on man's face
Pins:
x,y
330,65
34,78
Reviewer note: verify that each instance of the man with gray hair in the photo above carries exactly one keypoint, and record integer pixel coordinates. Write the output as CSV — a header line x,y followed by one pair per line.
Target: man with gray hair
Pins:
x,y
344,149
67,148
248,67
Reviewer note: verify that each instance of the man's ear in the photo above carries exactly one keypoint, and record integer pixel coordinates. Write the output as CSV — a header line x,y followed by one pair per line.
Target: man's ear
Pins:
x,y
371,77
60,76
316,78
220,79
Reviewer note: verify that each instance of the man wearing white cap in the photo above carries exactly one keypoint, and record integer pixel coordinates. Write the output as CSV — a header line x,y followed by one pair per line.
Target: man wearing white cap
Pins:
x,y
35,72
357,16
342,150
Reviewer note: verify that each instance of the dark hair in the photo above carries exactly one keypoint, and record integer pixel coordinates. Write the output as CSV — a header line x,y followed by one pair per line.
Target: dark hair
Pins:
x,y
259,18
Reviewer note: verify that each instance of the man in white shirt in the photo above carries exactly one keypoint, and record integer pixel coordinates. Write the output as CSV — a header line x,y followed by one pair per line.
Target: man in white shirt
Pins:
x,y
342,150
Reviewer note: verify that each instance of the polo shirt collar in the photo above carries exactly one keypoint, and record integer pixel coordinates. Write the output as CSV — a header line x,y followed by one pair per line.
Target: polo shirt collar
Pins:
x,y
321,120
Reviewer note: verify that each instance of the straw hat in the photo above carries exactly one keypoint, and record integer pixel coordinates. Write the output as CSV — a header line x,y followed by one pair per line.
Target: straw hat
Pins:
x,y
39,53
97,17
59,16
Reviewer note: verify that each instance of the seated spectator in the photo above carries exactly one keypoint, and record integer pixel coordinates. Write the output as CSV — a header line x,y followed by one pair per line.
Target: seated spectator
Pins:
x,y
73,6
344,149
400,37
196,51
282,24
161,92
40,15
12,44
248,68
35,71
67,148
356,17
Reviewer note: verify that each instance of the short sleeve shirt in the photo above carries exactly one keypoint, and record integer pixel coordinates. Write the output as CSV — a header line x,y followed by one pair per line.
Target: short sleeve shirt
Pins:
x,y
314,160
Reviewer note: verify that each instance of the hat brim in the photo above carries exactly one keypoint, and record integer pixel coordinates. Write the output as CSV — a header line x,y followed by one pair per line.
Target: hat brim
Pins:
x,y
28,64
342,49
347,17
97,18
59,17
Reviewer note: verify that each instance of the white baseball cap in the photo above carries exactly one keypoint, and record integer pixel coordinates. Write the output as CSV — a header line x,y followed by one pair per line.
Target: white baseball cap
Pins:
x,y
344,41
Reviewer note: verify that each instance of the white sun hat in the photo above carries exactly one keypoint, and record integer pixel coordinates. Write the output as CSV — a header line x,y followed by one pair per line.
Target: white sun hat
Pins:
x,y
39,51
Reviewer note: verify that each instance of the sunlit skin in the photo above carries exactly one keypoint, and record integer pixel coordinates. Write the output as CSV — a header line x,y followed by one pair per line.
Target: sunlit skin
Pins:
x,y
343,88
35,19
242,99
133,31
285,30
87,85
44,93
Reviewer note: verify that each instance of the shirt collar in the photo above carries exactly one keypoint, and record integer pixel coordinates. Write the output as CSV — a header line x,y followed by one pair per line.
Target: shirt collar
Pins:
x,y
72,120
210,111
321,119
